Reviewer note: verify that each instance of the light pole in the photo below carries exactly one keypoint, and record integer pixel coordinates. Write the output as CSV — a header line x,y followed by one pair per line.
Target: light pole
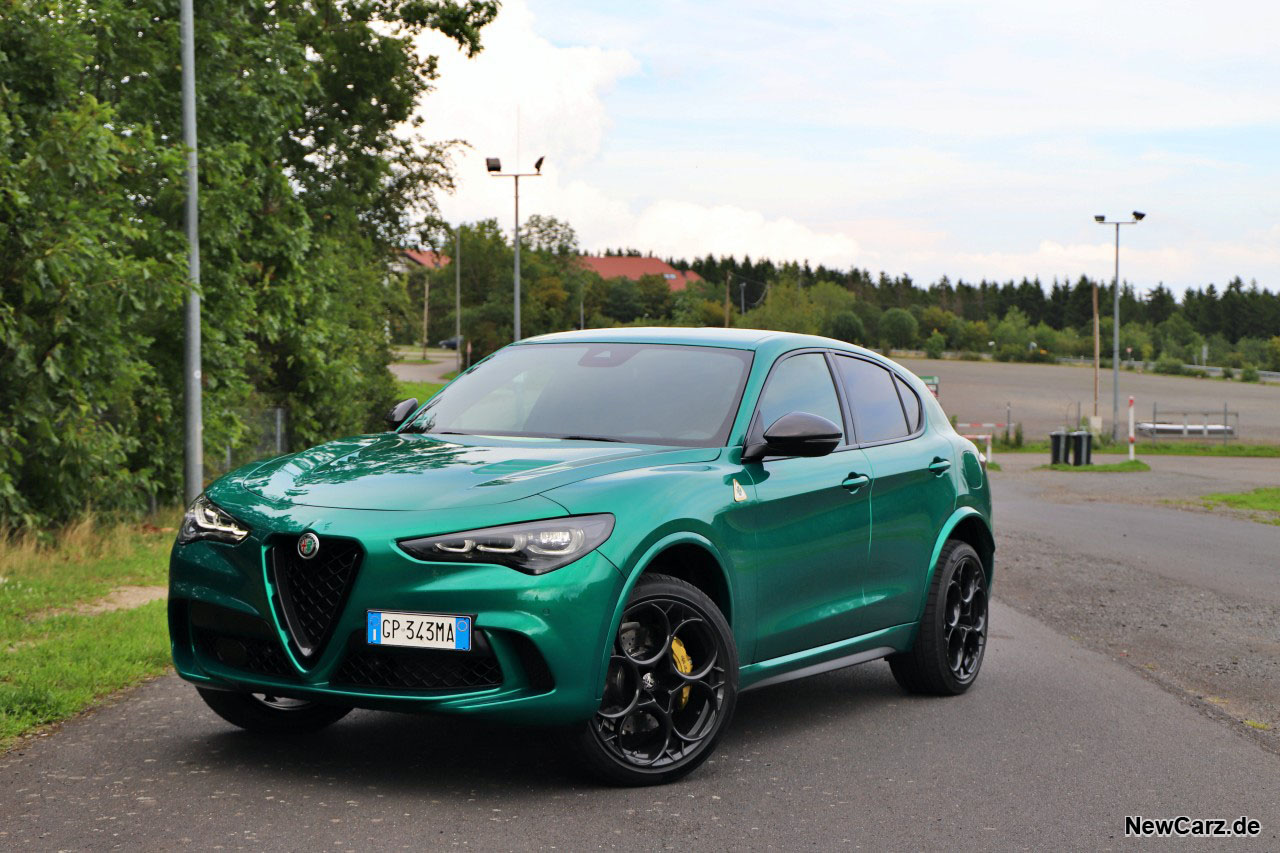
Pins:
x,y
494,165
457,295
193,439
1138,216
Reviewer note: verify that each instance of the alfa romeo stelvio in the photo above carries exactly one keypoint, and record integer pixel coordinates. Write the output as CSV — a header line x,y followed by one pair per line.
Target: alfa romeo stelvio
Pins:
x,y
611,532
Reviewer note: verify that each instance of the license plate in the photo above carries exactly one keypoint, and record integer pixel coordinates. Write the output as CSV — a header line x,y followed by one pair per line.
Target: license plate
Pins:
x,y
419,630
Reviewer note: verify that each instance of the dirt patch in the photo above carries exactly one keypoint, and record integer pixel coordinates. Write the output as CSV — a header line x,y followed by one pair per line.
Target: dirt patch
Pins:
x,y
120,598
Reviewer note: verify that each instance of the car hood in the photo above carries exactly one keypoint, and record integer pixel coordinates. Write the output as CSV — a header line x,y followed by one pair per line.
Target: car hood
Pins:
x,y
408,471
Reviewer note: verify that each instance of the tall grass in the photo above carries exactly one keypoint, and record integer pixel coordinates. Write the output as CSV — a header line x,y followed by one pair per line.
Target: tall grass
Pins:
x,y
56,659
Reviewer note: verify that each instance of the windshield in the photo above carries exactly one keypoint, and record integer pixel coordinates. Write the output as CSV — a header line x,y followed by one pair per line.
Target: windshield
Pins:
x,y
637,393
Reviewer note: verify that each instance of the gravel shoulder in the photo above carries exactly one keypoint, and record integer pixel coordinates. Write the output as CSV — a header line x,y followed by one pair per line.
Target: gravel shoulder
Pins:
x,y
1188,597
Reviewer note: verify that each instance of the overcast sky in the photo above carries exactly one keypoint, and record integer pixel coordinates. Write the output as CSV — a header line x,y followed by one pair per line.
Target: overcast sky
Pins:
x,y
968,139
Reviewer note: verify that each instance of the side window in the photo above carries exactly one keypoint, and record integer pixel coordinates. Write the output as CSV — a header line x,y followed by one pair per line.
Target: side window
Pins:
x,y
874,400
801,383
910,402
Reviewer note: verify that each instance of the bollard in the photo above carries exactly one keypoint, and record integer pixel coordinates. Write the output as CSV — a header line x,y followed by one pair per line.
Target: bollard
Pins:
x,y
1057,447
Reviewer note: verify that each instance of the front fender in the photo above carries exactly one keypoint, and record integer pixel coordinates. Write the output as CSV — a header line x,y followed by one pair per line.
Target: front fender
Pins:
x,y
634,569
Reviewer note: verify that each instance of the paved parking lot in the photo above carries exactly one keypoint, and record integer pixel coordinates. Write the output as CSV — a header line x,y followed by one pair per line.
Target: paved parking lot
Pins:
x,y
1044,396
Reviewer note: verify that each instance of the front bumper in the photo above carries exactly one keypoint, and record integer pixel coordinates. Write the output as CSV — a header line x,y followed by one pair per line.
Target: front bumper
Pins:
x,y
546,636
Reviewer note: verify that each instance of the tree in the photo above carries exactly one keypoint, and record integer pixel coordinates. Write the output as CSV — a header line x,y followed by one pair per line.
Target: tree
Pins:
x,y
845,326
898,328
306,185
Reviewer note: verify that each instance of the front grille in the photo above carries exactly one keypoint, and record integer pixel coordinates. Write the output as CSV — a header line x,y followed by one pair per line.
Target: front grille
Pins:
x,y
311,593
418,669
251,654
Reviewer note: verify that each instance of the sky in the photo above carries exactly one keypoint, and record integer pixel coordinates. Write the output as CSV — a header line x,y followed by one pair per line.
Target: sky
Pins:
x,y
928,137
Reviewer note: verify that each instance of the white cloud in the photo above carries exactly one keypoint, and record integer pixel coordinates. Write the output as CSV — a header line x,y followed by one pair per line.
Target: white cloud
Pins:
x,y
922,136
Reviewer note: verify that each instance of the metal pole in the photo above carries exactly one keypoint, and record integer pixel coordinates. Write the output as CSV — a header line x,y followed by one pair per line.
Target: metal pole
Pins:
x,y
457,297
426,303
1097,351
1115,344
517,277
193,439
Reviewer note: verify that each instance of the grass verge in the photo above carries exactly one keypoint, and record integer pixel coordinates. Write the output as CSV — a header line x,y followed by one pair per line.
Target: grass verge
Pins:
x,y
1263,504
424,391
54,661
1108,468
1147,448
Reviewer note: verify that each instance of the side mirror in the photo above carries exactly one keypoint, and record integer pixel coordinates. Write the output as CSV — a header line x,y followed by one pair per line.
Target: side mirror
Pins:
x,y
400,411
796,434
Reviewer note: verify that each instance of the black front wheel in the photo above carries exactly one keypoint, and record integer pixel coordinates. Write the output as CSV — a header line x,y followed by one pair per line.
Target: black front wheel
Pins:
x,y
670,689
952,636
268,714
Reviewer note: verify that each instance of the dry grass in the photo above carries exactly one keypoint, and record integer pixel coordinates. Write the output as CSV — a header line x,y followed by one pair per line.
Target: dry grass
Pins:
x,y
59,652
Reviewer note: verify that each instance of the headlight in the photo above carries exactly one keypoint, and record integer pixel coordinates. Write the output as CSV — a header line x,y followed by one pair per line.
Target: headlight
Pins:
x,y
533,547
205,520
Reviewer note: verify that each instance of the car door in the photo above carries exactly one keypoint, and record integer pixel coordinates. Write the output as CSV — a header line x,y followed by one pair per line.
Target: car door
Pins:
x,y
912,490
811,519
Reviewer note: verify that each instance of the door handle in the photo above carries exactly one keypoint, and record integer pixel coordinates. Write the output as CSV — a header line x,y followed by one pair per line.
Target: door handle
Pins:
x,y
939,466
855,481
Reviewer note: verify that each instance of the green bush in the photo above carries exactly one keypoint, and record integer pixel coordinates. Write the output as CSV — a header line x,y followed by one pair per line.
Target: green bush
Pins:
x,y
1250,374
934,345
1169,366
1228,373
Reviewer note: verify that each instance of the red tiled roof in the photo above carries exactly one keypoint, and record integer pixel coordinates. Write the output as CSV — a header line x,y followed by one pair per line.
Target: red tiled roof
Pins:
x,y
427,258
635,268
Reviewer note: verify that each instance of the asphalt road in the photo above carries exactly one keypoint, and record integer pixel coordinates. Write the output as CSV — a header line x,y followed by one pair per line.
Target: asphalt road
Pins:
x,y
1044,396
1085,712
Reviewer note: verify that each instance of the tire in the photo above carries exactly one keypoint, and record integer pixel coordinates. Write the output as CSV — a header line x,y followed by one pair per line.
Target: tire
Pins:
x,y
670,690
952,637
266,714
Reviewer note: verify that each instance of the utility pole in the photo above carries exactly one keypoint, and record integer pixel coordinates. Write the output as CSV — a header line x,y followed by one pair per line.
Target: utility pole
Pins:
x,y
193,439
457,296
426,302
742,295
1097,349
726,298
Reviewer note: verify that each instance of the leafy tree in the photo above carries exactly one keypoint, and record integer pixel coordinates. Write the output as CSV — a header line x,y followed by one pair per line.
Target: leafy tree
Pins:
x,y
306,188
898,328
845,326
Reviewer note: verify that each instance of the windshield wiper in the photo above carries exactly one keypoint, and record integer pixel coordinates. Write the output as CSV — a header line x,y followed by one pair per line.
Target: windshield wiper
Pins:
x,y
591,438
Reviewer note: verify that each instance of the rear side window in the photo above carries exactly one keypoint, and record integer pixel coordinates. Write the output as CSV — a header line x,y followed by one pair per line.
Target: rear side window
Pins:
x,y
801,383
876,407
910,404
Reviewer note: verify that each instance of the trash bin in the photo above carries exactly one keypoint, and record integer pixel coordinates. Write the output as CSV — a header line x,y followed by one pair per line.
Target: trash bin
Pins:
x,y
1082,447
1057,447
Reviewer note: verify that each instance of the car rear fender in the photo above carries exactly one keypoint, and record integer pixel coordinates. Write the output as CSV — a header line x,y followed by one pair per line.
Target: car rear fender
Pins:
x,y
974,521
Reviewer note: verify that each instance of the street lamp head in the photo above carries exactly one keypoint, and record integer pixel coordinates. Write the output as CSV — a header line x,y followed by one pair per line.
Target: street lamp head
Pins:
x,y
537,167
1138,216
493,164
1099,218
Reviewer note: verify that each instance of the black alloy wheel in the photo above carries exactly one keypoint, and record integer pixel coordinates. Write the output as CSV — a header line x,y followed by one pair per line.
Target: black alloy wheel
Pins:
x,y
670,689
952,637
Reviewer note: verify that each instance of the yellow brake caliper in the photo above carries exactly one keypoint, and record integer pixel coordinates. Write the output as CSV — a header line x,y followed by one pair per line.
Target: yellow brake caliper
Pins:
x,y
684,663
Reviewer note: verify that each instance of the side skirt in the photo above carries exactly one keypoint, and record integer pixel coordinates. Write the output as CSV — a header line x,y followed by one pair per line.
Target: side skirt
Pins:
x,y
839,655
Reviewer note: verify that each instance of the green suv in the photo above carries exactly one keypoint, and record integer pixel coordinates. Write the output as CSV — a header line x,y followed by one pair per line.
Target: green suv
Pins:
x,y
610,532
